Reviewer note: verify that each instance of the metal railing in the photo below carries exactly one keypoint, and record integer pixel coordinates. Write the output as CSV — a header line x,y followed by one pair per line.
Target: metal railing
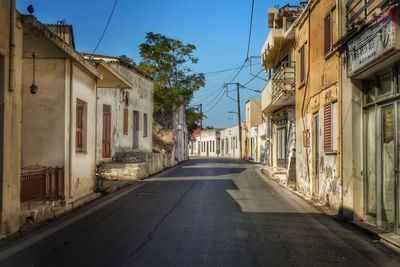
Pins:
x,y
42,183
283,79
358,11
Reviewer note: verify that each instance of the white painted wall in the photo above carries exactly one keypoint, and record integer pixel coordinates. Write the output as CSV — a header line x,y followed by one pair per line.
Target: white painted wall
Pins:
x,y
43,114
210,139
233,148
140,99
83,164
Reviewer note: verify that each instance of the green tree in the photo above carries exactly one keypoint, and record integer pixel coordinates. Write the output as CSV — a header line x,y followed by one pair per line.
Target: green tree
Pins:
x,y
193,117
168,61
127,59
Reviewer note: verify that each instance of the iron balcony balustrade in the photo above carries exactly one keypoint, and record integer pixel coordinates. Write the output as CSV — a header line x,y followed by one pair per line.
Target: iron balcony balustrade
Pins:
x,y
280,89
283,80
359,12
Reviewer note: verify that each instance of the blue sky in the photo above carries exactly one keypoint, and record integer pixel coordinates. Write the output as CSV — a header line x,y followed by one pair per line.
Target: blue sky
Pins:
x,y
218,28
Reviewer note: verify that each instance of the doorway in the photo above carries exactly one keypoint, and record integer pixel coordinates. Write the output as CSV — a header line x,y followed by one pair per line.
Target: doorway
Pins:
x,y
382,158
135,129
281,146
106,131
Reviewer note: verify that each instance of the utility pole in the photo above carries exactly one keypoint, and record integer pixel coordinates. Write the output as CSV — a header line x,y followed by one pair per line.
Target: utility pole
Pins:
x,y
201,114
238,112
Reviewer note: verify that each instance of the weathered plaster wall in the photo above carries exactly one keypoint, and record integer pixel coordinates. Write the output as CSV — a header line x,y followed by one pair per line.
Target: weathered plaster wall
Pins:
x,y
320,88
11,153
43,116
253,113
262,142
83,164
140,98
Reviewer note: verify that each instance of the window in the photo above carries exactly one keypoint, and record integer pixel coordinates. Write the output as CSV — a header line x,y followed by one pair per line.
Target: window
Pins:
x,y
302,64
328,34
328,127
126,119
81,124
144,124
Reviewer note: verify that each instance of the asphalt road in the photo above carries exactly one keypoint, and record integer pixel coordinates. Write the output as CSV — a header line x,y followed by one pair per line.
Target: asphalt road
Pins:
x,y
208,212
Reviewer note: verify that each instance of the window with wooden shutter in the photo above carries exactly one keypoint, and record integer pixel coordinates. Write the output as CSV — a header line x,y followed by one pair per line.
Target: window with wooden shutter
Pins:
x,y
302,64
80,142
126,120
328,127
328,34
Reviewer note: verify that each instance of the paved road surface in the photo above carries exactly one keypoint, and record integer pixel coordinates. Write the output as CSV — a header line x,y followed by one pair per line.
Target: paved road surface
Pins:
x,y
208,212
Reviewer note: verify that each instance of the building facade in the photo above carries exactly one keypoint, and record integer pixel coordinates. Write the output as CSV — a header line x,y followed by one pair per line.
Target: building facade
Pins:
x,y
230,146
209,143
317,103
10,116
370,112
124,114
279,95
250,138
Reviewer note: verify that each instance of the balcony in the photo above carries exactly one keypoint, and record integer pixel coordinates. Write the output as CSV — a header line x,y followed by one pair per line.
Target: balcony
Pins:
x,y
359,12
280,90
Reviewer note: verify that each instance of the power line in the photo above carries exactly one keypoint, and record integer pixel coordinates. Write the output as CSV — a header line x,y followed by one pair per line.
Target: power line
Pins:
x,y
214,104
252,79
225,70
250,30
105,28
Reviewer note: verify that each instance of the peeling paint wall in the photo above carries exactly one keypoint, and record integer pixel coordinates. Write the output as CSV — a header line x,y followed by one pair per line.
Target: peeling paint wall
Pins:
x,y
140,98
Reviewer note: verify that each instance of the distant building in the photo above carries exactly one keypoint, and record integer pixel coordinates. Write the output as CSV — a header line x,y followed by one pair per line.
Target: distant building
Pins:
x,y
230,146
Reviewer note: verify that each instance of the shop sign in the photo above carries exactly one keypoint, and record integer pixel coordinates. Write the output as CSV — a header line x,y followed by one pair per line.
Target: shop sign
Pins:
x,y
373,42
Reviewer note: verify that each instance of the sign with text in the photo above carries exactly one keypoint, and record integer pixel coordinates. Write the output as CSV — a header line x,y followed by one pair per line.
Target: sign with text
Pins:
x,y
373,42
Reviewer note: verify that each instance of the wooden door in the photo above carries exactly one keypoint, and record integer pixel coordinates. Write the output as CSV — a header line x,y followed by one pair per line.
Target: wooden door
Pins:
x,y
135,129
106,131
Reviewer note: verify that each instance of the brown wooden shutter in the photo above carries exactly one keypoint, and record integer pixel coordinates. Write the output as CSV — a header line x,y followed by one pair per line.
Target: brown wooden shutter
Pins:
x,y
328,34
302,64
79,125
126,119
328,127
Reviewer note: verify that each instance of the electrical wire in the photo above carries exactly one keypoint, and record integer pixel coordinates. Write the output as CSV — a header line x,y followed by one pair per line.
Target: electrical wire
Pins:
x,y
214,104
105,28
250,30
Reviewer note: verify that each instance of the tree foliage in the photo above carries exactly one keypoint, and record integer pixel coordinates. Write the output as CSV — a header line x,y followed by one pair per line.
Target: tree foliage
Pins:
x,y
127,59
193,117
168,61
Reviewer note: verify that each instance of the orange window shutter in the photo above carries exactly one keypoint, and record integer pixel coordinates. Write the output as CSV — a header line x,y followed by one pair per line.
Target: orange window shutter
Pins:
x,y
328,127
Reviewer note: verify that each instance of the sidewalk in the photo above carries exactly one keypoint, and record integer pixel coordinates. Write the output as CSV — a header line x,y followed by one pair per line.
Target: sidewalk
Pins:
x,y
392,240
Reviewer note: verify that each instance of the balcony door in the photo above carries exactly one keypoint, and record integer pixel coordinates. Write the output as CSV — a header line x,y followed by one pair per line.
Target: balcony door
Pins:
x,y
135,131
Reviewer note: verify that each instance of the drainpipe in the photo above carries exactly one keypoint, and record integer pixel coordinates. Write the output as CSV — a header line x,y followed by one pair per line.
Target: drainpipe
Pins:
x,y
71,87
11,72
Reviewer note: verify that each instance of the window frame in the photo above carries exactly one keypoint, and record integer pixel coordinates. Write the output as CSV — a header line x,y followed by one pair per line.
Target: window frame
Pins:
x,y
328,52
145,124
81,126
302,65
126,121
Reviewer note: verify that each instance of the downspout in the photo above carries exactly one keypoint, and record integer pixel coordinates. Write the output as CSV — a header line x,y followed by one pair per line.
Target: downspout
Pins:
x,y
11,71
70,128
340,97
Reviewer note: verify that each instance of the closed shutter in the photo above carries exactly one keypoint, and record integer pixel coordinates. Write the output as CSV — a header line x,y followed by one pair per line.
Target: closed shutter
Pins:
x,y
79,125
328,127
302,64
328,34
126,119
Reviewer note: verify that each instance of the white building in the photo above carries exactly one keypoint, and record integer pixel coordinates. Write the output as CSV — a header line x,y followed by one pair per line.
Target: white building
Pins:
x,y
209,143
230,146
59,120
124,114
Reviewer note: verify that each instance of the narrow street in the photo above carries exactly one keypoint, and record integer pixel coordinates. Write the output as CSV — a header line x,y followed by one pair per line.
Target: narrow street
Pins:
x,y
207,212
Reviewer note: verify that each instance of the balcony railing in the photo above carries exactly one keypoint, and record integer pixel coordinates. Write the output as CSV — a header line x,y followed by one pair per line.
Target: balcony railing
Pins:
x,y
283,79
359,11
42,183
